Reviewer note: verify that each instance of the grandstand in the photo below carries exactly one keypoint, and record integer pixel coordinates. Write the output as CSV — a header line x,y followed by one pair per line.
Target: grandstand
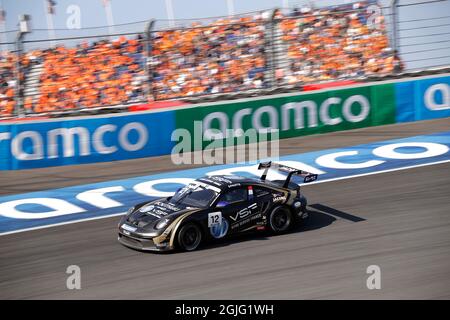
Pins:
x,y
229,55
335,43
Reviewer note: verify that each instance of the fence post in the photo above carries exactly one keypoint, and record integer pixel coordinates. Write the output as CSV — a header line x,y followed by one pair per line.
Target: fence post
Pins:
x,y
148,89
19,92
394,13
24,28
270,45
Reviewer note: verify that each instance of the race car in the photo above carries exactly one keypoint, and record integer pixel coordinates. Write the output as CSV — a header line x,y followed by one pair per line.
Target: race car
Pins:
x,y
215,207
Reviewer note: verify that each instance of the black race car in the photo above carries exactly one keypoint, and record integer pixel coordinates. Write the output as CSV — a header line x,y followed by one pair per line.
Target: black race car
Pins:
x,y
215,207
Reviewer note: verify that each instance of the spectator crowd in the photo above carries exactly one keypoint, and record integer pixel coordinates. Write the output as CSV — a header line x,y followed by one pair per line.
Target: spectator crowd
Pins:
x,y
7,82
342,42
101,74
227,55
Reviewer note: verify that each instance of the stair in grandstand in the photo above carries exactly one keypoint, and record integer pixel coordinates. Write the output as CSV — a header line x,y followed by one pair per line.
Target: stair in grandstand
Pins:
x,y
32,80
281,54
276,54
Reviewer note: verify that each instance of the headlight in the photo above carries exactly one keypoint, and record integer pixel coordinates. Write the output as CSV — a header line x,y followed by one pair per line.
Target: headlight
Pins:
x,y
130,210
162,223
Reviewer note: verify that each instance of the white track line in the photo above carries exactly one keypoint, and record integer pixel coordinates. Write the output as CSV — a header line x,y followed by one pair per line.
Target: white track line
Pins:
x,y
376,172
315,182
62,223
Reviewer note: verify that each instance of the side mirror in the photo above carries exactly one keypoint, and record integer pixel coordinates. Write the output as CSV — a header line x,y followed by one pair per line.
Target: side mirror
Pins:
x,y
221,204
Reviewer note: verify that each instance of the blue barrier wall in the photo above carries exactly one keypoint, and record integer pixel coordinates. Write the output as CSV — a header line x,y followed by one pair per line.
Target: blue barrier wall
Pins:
x,y
423,99
85,140
120,137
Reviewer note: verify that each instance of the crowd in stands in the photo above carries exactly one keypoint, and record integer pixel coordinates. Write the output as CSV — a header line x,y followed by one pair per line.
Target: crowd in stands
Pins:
x,y
7,82
342,42
10,76
227,55
92,75
224,56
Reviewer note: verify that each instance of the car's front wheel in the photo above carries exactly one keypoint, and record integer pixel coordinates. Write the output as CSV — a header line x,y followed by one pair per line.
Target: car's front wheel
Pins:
x,y
280,219
189,237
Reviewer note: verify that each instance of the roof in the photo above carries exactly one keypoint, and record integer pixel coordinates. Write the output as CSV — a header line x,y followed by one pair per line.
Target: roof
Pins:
x,y
224,182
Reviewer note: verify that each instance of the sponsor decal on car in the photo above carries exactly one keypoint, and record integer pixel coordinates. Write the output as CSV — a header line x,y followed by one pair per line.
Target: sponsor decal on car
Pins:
x,y
209,181
234,185
243,213
147,208
219,230
221,179
278,198
128,228
246,220
151,209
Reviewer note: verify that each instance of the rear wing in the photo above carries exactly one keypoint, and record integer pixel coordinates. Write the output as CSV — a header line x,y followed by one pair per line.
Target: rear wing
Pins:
x,y
307,176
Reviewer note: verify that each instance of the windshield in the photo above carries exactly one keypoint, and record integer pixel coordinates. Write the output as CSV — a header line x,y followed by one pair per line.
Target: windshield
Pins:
x,y
194,195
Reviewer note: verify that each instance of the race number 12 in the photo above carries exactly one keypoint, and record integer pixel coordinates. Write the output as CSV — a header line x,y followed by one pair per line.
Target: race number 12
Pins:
x,y
214,218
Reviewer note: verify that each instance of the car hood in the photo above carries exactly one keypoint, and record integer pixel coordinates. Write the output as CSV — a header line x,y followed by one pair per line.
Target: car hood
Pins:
x,y
153,211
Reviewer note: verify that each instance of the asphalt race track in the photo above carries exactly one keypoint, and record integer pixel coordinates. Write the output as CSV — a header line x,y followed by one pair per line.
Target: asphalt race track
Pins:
x,y
399,221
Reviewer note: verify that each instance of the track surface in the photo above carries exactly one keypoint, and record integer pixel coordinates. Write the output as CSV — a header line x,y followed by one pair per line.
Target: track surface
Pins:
x,y
399,221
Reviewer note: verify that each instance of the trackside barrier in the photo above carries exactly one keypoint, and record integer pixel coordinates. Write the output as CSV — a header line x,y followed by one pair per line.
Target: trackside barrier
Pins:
x,y
46,143
423,99
296,114
85,140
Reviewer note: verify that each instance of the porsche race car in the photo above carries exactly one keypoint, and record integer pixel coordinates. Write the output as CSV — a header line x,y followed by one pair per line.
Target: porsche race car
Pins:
x,y
216,207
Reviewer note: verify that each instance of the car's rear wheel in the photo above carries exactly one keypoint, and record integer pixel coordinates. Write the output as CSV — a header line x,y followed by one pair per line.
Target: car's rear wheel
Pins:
x,y
280,219
189,237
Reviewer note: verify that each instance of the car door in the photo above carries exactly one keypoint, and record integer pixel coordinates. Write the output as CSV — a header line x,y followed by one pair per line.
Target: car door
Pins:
x,y
239,209
263,198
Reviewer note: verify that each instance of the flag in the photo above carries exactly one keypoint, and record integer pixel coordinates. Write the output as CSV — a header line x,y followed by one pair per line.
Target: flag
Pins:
x,y
250,192
51,6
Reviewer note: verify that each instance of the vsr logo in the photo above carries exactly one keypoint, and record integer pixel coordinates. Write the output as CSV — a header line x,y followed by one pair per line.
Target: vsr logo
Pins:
x,y
244,212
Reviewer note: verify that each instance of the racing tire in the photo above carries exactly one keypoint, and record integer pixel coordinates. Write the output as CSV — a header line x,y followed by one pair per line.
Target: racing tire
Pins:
x,y
280,219
189,237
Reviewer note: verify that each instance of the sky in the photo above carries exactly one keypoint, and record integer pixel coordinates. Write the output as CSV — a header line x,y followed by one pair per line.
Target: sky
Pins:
x,y
420,44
